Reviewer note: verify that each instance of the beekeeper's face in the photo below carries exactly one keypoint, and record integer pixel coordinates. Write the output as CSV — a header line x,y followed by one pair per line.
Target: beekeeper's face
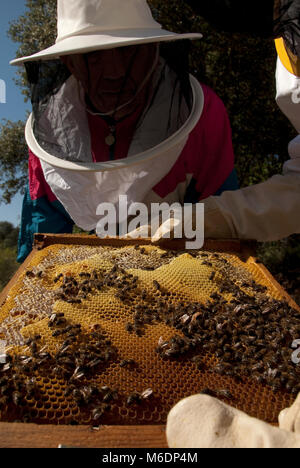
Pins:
x,y
112,78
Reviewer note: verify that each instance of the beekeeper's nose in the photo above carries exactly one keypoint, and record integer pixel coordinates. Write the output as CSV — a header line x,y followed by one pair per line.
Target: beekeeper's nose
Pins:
x,y
115,65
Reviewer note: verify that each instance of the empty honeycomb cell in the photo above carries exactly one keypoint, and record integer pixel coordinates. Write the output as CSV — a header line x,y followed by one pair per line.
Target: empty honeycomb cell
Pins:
x,y
132,414
51,415
31,404
147,415
123,411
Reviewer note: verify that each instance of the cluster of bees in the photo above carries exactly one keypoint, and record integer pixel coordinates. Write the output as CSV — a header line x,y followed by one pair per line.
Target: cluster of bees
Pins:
x,y
80,357
250,334
74,292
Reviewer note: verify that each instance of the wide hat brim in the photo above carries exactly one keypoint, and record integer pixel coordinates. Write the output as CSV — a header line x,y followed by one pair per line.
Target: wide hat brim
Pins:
x,y
111,39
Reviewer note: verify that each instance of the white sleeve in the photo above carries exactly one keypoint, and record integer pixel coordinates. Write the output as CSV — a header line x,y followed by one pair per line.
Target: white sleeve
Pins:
x,y
270,210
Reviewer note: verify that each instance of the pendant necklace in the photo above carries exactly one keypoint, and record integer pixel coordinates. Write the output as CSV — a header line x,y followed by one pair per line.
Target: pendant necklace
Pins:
x,y
111,138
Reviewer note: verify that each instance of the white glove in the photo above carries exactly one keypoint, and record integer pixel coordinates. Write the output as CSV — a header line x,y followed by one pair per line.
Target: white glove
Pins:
x,y
201,421
185,223
289,418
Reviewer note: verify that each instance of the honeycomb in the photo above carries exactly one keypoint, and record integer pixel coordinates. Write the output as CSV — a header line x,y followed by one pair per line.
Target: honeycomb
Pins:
x,y
118,335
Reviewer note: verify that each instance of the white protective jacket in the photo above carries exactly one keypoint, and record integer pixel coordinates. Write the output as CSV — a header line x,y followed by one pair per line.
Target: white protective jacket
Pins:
x,y
270,210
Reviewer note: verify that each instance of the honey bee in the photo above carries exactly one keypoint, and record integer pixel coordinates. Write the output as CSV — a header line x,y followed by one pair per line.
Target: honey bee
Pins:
x,y
138,330
127,362
79,373
109,396
146,394
3,401
57,278
83,274
97,413
207,391
3,381
31,340
212,276
33,348
30,388
134,397
224,393
69,389
94,363
129,327
30,274
60,321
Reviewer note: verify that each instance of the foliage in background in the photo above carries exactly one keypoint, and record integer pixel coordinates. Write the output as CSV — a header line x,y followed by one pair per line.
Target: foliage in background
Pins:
x,y
8,250
283,260
241,70
13,160
33,31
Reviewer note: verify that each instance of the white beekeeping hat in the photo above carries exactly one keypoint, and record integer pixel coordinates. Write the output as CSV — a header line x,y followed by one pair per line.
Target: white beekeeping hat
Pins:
x,y
89,25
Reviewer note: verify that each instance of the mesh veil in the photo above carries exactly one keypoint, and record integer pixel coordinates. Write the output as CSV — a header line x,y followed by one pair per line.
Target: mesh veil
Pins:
x,y
59,111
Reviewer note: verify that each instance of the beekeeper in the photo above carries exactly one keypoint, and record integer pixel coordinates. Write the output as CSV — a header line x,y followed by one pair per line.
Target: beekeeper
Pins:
x,y
115,112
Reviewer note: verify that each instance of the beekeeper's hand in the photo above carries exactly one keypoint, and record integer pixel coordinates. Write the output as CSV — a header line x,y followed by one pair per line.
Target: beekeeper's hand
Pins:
x,y
165,230
289,418
215,224
201,421
188,223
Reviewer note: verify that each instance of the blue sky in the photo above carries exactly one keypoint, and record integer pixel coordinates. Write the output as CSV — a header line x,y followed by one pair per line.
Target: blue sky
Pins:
x,y
14,108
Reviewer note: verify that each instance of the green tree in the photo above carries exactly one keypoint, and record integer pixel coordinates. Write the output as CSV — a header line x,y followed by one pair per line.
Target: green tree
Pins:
x,y
8,251
8,235
13,159
34,31
8,265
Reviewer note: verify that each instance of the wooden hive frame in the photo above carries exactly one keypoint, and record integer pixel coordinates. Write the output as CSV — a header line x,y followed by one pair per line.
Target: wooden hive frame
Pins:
x,y
31,435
